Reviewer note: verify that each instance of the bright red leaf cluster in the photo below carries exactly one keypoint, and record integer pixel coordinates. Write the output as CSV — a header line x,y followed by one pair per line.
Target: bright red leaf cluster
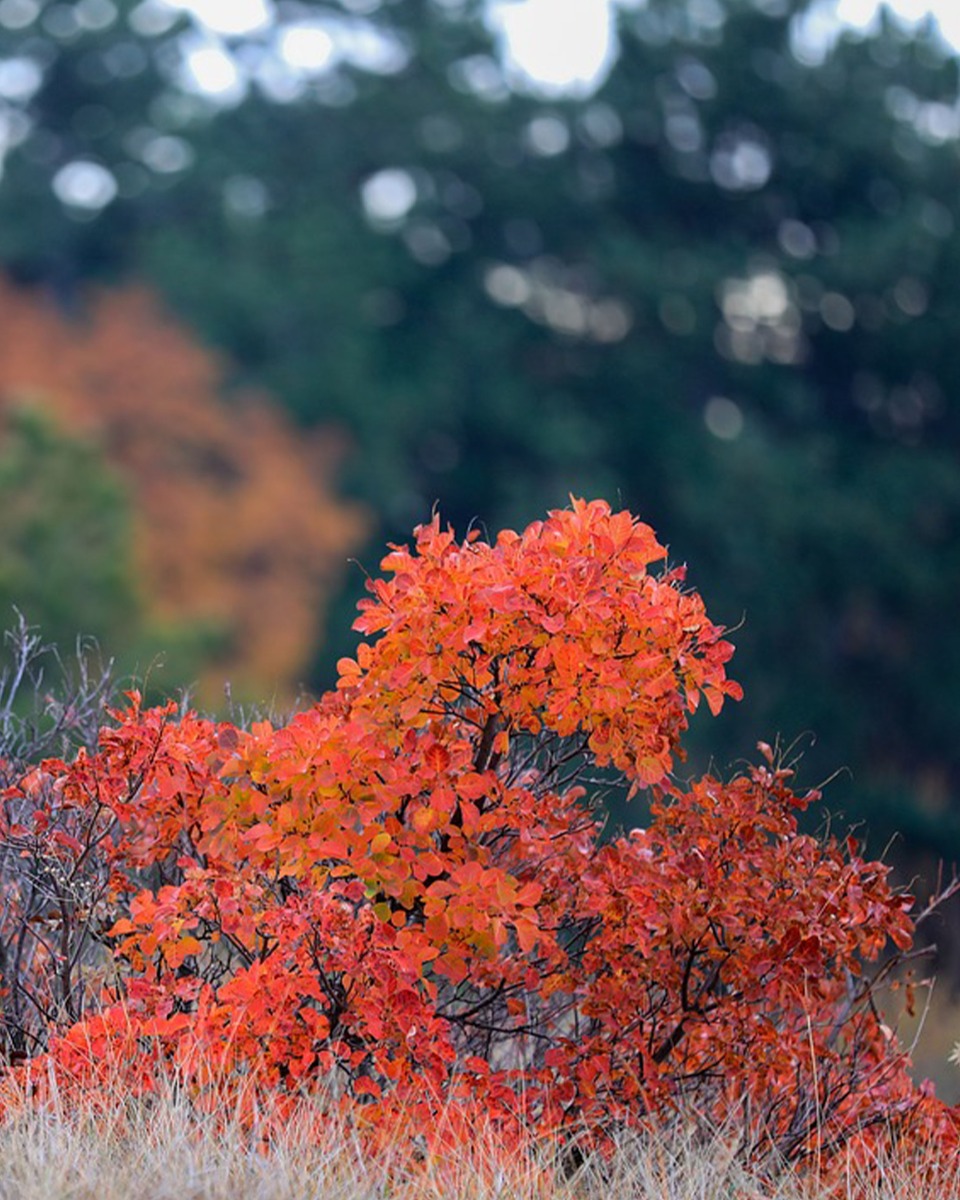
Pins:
x,y
404,892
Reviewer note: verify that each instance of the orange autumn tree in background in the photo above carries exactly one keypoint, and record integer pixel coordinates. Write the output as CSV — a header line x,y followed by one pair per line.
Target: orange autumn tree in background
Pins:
x,y
237,532
404,891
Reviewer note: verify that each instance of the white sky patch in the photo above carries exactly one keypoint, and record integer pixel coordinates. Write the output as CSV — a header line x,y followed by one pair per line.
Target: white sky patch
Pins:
x,y
306,48
569,44
559,45
84,185
863,13
19,79
389,195
231,17
947,13
214,71
369,50
818,28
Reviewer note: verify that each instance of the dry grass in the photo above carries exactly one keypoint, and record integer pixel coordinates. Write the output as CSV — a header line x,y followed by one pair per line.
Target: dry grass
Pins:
x,y
166,1152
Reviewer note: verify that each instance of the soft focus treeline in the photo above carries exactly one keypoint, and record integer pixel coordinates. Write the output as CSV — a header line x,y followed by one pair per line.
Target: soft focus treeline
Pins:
x,y
723,290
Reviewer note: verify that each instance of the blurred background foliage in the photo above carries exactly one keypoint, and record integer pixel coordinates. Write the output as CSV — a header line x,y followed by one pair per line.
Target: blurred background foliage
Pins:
x,y
195,536
722,288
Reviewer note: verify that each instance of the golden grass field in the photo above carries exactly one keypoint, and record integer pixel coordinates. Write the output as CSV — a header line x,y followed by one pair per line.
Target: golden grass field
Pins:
x,y
167,1152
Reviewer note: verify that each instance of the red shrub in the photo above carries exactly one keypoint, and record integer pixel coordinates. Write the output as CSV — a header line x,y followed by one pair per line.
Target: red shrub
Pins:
x,y
403,892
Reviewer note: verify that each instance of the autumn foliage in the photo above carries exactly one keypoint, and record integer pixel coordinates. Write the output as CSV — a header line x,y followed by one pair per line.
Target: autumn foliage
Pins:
x,y
403,894
236,528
